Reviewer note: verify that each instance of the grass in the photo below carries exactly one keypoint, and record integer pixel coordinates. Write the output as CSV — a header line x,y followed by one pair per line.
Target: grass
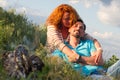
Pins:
x,y
55,68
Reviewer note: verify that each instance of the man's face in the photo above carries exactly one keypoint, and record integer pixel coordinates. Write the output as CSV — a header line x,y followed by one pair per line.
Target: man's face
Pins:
x,y
77,30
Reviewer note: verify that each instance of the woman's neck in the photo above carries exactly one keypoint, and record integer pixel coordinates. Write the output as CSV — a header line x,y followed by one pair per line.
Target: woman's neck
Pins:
x,y
64,32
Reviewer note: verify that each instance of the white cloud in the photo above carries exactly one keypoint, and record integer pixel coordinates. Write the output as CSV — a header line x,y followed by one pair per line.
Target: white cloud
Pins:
x,y
3,3
35,13
21,10
103,35
87,3
110,14
74,1
28,11
32,14
108,10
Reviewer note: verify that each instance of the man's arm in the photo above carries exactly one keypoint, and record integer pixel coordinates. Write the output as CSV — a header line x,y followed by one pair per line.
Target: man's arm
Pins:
x,y
90,60
98,52
97,46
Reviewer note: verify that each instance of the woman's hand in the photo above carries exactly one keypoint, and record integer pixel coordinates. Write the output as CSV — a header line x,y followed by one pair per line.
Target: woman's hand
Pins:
x,y
73,57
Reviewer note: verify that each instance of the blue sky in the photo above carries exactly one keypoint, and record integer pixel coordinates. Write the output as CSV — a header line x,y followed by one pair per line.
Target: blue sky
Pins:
x,y
101,16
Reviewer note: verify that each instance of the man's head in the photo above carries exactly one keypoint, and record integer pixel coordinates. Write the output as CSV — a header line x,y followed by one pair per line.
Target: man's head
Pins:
x,y
78,29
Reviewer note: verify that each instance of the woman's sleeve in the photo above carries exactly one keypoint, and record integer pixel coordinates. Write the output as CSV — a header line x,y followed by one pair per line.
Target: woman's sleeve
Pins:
x,y
54,38
88,37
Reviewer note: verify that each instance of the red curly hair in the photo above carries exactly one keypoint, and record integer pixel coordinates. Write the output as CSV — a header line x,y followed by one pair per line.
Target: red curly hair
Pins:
x,y
56,16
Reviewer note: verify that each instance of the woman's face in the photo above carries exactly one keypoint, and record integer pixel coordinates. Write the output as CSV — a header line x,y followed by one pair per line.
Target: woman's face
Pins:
x,y
66,19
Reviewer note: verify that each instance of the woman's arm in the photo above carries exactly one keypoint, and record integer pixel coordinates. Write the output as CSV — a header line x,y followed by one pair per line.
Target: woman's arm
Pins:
x,y
72,55
55,39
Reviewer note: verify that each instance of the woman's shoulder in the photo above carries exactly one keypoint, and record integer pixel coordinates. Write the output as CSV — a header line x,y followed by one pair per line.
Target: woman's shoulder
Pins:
x,y
51,26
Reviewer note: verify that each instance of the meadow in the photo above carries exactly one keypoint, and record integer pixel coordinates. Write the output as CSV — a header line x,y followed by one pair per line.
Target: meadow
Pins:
x,y
15,29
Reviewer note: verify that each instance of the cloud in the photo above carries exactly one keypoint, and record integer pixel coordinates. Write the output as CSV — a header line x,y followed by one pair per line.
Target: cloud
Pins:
x,y
108,10
103,35
110,14
35,12
3,3
28,11
21,10
74,1
34,15
106,2
87,3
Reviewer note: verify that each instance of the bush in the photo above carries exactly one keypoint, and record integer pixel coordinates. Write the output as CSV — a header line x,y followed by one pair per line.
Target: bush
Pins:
x,y
111,61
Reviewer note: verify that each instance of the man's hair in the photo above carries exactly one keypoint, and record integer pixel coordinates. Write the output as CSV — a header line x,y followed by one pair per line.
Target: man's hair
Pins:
x,y
80,20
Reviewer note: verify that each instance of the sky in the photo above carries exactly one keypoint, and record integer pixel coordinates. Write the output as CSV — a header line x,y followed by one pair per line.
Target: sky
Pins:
x,y
100,16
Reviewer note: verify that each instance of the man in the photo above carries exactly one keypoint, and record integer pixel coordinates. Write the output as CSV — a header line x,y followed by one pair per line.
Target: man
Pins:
x,y
85,48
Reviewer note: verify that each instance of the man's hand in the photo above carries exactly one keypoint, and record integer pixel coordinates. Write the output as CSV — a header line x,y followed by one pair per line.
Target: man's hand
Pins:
x,y
99,59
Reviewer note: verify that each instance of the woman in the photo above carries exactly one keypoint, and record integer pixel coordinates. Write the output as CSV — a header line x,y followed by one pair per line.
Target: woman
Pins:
x,y
58,23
